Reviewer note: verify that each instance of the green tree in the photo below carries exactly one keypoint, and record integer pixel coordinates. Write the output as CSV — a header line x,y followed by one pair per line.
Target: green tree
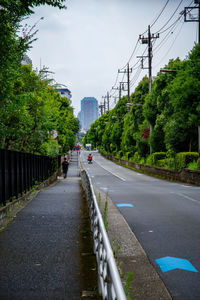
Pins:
x,y
132,139
158,106
182,127
14,108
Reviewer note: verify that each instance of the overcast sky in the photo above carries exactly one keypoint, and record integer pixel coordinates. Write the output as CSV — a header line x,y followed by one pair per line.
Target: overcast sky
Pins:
x,y
86,44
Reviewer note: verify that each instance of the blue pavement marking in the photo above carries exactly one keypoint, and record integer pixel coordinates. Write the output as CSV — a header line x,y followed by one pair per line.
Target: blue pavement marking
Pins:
x,y
171,263
125,205
105,189
155,180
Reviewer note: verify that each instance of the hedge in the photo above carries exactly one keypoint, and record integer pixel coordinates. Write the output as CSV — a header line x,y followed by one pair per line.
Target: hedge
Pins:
x,y
184,158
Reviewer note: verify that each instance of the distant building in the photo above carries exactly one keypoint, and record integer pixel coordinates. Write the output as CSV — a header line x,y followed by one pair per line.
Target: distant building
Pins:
x,y
65,93
79,116
89,112
26,60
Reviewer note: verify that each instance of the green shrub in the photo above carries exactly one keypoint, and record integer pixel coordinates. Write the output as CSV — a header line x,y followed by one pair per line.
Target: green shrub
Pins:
x,y
162,163
171,163
136,157
183,159
149,160
142,161
198,163
158,156
119,154
132,159
126,156
193,166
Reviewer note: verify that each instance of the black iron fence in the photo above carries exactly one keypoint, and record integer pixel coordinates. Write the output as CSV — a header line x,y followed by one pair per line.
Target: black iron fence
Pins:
x,y
19,172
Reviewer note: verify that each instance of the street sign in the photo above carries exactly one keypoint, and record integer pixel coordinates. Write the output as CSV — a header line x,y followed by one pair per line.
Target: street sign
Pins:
x,y
78,148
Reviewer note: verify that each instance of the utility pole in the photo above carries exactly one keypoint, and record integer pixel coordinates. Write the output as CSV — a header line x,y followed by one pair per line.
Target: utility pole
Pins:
x,y
147,40
188,16
104,105
119,89
108,101
127,71
101,106
150,58
115,99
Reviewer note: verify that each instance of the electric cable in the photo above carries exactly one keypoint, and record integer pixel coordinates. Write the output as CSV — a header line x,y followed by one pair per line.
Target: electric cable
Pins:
x,y
159,46
159,31
136,76
131,55
160,14
152,23
165,38
171,45
172,28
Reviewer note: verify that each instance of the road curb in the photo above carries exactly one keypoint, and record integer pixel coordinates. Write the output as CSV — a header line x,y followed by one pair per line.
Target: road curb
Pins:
x,y
131,257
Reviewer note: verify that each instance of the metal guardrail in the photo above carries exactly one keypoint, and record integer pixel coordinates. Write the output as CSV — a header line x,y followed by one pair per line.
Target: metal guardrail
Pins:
x,y
110,284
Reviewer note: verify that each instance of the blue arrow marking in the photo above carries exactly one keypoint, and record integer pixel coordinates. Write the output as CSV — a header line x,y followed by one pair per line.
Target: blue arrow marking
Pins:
x,y
125,205
171,263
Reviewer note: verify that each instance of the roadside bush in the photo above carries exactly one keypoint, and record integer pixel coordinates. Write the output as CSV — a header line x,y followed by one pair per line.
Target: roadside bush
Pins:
x,y
127,156
119,154
193,166
136,157
149,160
132,159
198,163
142,161
158,156
183,159
170,163
162,163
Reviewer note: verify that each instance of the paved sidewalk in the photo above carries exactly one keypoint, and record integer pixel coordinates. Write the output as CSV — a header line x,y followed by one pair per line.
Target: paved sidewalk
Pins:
x,y
40,252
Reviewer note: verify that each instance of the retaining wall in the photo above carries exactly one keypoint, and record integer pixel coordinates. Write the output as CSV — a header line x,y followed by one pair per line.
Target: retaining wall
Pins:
x,y
185,175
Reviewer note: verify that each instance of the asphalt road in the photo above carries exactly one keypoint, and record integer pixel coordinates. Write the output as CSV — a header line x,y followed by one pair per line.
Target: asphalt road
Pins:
x,y
164,216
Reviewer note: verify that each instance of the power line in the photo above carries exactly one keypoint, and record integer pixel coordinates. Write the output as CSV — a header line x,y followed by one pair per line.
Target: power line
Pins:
x,y
160,13
153,22
130,56
127,71
136,76
163,41
170,17
172,24
165,38
170,47
172,28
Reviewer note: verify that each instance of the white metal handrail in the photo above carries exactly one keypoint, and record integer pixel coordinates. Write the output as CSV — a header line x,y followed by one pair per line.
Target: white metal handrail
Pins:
x,y
109,279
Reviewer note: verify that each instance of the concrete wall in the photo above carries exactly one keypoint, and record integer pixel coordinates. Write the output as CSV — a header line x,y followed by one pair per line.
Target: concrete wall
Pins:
x,y
185,175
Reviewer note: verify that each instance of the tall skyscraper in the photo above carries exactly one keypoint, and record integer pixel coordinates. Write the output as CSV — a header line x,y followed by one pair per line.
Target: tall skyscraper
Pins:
x,y
89,112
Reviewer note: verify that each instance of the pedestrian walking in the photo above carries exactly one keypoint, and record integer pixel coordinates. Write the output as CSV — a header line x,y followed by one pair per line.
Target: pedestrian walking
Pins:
x,y
65,165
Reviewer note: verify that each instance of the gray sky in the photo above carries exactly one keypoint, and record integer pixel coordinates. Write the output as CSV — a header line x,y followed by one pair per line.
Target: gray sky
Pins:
x,y
86,44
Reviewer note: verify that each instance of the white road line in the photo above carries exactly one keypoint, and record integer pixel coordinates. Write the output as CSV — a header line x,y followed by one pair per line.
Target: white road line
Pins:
x,y
185,185
111,172
187,197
